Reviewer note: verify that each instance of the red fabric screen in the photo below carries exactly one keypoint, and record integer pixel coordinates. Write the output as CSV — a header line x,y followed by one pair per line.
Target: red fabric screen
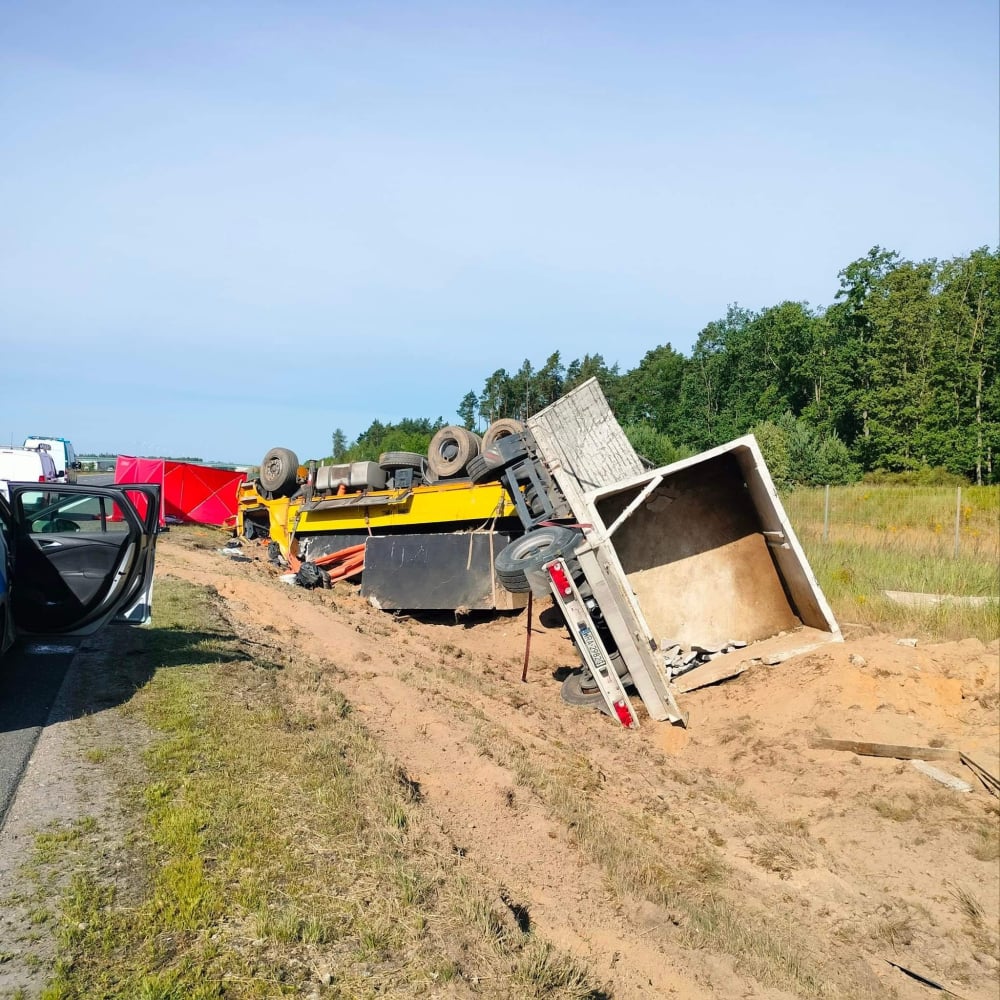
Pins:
x,y
194,493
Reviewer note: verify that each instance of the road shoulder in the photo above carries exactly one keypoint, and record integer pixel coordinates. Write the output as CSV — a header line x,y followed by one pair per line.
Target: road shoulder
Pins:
x,y
66,812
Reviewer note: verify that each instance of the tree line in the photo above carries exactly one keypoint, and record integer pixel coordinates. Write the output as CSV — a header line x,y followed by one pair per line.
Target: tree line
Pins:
x,y
898,375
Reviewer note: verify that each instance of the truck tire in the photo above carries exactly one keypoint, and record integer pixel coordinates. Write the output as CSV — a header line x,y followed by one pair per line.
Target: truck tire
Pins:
x,y
500,429
491,461
531,552
390,461
450,449
481,470
278,471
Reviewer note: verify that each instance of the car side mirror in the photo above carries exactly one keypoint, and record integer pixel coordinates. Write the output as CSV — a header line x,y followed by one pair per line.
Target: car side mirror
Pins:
x,y
77,466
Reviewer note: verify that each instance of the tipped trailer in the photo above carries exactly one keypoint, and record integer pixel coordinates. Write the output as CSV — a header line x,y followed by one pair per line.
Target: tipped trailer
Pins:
x,y
668,578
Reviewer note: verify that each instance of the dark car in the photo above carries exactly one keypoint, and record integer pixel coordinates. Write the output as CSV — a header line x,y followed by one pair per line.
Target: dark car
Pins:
x,y
74,557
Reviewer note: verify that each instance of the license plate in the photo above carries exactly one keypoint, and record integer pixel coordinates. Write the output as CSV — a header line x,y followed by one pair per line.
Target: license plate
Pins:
x,y
587,638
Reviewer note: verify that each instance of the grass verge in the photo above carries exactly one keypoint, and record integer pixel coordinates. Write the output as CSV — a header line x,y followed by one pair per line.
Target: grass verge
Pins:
x,y
284,854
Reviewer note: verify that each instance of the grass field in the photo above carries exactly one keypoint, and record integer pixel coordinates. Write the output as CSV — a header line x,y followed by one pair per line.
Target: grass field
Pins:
x,y
879,538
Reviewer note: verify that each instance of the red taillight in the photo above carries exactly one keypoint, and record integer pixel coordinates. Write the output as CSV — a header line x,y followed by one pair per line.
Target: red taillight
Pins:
x,y
41,479
624,715
557,571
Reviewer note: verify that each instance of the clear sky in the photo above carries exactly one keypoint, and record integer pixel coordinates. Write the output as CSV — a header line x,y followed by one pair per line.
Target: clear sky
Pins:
x,y
226,226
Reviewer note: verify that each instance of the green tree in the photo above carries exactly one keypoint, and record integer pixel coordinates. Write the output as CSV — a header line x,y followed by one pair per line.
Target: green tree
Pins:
x,y
833,465
704,416
850,366
467,410
409,434
773,441
494,399
338,445
652,446
649,394
900,310
549,379
962,430
521,391
593,366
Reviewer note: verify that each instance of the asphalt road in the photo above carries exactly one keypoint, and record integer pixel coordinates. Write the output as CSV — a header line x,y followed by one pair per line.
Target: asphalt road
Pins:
x,y
31,674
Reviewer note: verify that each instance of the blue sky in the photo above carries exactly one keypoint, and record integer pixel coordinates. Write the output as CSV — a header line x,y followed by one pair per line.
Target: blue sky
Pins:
x,y
230,226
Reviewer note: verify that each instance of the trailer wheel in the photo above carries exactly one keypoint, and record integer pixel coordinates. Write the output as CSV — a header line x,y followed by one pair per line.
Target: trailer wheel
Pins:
x,y
581,689
501,429
390,461
450,450
278,471
531,552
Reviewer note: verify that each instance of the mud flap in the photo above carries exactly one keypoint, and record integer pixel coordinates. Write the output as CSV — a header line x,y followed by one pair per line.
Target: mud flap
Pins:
x,y
436,572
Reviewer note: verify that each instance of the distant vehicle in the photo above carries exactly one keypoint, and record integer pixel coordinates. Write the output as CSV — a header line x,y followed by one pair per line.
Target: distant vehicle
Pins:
x,y
72,558
61,450
25,465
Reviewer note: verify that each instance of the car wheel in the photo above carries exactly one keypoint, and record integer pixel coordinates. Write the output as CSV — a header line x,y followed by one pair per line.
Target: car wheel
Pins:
x,y
279,470
530,552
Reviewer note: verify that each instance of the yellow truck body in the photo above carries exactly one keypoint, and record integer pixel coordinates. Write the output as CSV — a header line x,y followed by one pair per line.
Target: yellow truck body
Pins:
x,y
440,507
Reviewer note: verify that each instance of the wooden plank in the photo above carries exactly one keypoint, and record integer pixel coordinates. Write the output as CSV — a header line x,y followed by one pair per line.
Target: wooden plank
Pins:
x,y
886,749
710,673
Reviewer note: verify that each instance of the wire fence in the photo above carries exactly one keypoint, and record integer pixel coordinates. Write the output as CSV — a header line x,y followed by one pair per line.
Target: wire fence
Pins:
x,y
940,521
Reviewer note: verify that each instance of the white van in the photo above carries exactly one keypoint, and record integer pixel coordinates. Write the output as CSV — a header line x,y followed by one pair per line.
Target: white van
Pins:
x,y
62,454
25,465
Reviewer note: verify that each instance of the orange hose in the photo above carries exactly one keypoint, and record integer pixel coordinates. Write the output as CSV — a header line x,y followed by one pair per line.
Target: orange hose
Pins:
x,y
333,557
349,568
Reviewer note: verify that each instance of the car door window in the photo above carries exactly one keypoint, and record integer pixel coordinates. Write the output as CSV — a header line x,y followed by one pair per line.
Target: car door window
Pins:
x,y
74,551
51,512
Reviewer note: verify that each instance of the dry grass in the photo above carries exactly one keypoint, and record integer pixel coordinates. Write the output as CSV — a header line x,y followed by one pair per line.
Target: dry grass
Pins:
x,y
969,905
903,538
987,845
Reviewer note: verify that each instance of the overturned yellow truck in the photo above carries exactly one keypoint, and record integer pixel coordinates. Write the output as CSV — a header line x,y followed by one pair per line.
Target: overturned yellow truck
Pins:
x,y
424,532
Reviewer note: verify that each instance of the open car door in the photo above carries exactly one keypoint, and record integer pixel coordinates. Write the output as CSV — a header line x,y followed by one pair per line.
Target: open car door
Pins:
x,y
82,555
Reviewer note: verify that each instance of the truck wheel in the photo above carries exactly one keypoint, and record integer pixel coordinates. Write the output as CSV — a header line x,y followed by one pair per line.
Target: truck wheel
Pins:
x,y
481,470
531,552
279,470
390,461
501,429
490,463
535,507
450,449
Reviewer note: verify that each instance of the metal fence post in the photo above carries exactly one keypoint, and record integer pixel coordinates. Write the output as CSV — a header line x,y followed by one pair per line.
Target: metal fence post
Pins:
x,y
826,513
958,520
